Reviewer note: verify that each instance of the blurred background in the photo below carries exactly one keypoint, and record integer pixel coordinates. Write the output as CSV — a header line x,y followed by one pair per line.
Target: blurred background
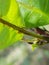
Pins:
x,y
21,53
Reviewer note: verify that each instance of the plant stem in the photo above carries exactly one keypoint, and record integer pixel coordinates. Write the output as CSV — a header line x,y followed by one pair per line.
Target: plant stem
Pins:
x,y
22,30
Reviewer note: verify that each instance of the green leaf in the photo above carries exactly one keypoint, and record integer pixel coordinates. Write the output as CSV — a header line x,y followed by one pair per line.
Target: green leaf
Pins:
x,y
4,7
34,12
9,11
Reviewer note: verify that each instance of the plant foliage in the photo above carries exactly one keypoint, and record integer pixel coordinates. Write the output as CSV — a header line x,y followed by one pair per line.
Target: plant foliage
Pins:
x,y
22,13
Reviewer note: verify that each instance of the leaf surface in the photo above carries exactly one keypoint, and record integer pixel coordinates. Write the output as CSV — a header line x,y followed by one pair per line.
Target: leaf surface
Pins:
x,y
34,12
9,11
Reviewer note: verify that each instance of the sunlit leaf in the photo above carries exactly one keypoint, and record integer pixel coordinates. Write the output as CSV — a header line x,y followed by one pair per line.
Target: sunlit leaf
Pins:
x,y
9,11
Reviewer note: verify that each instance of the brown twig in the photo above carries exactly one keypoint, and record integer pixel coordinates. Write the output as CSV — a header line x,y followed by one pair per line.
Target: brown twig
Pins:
x,y
22,30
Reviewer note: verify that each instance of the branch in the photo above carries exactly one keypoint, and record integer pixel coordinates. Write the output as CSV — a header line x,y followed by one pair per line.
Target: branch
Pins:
x,y
22,30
